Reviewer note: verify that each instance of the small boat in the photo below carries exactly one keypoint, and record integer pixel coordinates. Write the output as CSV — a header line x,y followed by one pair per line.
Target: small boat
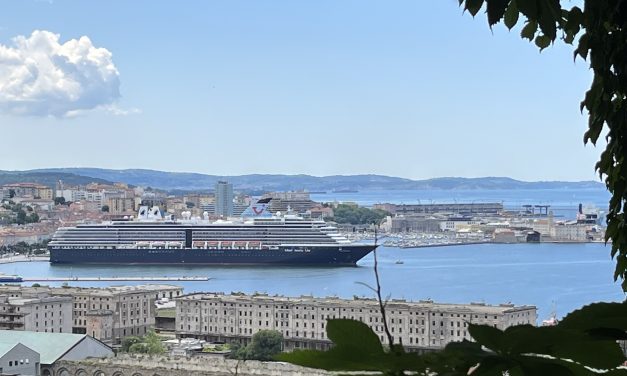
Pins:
x,y
10,278
399,262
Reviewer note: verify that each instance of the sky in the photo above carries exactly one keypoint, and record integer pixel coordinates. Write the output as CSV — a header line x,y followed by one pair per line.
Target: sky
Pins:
x,y
411,88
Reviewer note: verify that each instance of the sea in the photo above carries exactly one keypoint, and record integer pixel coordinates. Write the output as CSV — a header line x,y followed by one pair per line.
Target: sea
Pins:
x,y
563,202
556,278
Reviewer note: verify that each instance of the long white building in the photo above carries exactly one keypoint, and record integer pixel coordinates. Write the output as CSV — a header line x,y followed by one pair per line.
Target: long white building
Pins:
x,y
418,325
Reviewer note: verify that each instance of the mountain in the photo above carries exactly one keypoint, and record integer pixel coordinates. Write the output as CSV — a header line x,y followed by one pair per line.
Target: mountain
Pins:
x,y
48,178
262,182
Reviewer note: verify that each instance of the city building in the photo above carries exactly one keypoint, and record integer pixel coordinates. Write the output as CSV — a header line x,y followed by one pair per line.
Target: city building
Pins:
x,y
458,223
413,223
17,359
224,199
108,314
320,212
575,232
40,313
32,190
299,202
121,205
45,349
419,325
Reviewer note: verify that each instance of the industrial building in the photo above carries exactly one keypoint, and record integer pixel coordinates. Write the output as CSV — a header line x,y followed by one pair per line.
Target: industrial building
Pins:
x,y
470,209
35,353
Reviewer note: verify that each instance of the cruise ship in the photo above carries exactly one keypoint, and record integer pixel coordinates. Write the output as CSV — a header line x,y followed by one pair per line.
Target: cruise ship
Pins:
x,y
257,237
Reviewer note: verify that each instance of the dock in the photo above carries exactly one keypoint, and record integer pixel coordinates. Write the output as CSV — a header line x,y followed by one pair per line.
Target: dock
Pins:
x,y
115,279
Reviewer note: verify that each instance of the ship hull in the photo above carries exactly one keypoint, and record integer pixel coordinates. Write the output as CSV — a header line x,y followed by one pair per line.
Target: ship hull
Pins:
x,y
317,255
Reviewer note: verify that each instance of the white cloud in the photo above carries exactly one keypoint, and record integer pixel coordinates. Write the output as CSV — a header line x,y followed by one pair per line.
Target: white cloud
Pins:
x,y
40,76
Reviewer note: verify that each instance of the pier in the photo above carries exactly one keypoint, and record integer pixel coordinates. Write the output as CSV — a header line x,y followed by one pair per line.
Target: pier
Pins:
x,y
117,279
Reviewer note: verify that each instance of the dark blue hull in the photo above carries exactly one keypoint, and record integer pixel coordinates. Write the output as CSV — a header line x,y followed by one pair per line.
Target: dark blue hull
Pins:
x,y
322,255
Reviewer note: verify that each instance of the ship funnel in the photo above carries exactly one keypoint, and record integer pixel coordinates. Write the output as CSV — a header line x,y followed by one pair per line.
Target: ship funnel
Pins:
x,y
260,209
143,212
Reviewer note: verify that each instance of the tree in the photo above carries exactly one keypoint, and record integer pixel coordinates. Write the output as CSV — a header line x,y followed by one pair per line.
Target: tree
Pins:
x,y
11,193
356,215
128,342
21,217
105,208
59,200
148,344
265,345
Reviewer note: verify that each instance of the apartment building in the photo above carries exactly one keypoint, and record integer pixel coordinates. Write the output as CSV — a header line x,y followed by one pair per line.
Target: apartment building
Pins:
x,y
108,314
37,313
121,205
27,190
419,325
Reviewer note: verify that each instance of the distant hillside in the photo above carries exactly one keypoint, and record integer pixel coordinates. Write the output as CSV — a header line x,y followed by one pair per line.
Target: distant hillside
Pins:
x,y
258,182
47,178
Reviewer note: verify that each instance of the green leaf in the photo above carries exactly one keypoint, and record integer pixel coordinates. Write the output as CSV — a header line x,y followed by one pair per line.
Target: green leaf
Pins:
x,y
529,8
548,18
473,6
543,41
356,334
529,31
487,336
597,316
496,10
596,354
511,15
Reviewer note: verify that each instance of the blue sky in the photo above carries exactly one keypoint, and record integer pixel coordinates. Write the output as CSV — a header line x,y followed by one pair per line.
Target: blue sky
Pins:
x,y
405,88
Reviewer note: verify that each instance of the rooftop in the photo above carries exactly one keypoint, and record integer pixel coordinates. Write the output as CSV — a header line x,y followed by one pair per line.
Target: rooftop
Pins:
x,y
392,304
50,346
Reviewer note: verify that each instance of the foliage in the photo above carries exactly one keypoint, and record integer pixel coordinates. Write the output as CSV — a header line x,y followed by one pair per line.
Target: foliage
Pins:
x,y
23,248
148,344
105,208
21,214
599,31
59,200
356,215
265,345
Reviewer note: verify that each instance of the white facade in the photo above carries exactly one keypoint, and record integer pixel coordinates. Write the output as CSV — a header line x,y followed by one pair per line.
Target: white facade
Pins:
x,y
456,225
37,314
571,232
302,320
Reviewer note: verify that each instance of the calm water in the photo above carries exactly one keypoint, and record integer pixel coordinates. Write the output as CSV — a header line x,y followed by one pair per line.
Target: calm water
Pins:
x,y
566,275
